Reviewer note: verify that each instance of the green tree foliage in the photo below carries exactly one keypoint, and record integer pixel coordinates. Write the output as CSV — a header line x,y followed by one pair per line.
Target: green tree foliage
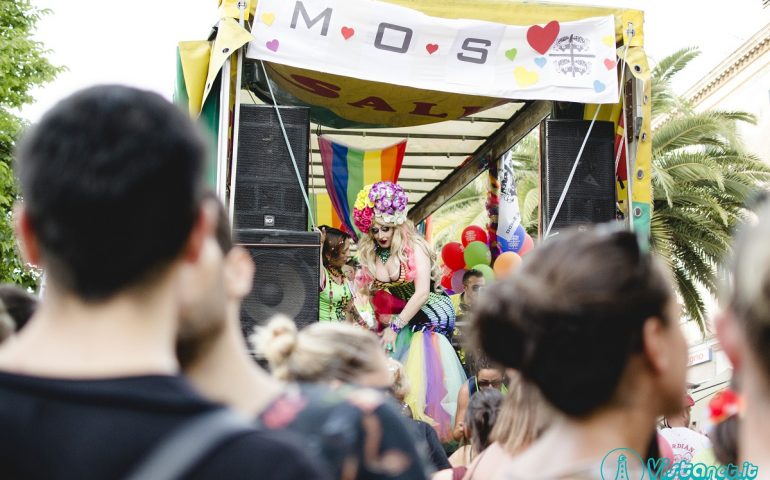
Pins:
x,y
23,66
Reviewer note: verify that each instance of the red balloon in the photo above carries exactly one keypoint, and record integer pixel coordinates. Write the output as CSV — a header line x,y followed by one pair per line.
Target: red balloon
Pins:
x,y
473,233
452,254
528,245
446,281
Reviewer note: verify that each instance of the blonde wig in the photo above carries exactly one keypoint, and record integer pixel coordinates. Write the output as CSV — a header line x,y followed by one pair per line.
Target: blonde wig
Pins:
x,y
405,240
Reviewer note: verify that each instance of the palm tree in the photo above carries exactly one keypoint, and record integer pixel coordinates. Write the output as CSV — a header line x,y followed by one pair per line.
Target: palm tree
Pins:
x,y
465,208
702,177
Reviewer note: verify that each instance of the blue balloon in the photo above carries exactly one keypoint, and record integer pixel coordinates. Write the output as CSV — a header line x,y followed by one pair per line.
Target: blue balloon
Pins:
x,y
504,247
515,243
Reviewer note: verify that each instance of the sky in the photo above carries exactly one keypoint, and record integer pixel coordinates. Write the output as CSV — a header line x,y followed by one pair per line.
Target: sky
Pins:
x,y
134,42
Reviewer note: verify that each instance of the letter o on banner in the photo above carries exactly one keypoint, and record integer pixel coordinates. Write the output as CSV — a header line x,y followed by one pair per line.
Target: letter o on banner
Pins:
x,y
407,40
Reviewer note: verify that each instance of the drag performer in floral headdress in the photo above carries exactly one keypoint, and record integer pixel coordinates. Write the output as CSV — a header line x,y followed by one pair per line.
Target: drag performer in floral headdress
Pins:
x,y
416,314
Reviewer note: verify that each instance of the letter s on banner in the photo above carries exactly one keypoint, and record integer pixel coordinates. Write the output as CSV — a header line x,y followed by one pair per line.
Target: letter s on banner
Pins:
x,y
483,52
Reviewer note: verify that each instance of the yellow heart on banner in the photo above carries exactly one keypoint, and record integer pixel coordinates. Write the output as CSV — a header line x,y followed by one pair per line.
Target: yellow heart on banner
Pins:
x,y
525,77
609,40
268,18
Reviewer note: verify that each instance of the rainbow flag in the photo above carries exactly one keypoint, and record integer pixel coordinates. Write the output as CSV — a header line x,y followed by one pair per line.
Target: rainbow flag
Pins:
x,y
348,169
324,211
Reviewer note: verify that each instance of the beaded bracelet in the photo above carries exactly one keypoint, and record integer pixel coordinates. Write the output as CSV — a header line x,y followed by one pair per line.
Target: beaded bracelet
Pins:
x,y
395,323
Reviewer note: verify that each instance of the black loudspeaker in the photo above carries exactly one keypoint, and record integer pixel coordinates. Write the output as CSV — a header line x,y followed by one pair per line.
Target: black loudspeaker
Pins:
x,y
286,279
267,192
591,195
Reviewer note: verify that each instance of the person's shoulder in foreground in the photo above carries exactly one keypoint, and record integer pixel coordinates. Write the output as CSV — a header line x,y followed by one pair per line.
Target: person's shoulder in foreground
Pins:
x,y
352,427
104,428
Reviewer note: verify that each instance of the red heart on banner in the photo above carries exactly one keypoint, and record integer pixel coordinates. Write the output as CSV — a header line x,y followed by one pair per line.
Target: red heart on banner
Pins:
x,y
541,38
347,32
431,48
609,63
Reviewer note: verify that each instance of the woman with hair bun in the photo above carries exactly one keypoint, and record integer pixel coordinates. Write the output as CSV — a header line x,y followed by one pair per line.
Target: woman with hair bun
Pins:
x,y
591,319
417,315
334,401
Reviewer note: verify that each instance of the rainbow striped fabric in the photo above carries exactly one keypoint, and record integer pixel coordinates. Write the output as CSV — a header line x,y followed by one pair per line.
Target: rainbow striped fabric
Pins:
x,y
324,211
348,169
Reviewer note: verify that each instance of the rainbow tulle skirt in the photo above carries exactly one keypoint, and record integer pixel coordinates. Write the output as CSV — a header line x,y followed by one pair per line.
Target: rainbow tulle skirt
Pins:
x,y
435,375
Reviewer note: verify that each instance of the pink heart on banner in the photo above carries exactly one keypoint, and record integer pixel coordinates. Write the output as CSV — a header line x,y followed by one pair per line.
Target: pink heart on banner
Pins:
x,y
609,63
541,38
272,45
347,32
431,48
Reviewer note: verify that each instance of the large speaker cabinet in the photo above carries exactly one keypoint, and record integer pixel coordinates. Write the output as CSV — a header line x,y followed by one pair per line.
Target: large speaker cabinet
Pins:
x,y
591,195
286,279
267,192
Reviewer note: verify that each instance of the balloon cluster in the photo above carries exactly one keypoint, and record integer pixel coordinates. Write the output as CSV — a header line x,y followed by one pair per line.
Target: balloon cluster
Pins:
x,y
473,252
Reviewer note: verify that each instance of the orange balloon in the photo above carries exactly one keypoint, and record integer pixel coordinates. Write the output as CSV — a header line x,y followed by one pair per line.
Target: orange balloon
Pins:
x,y
506,263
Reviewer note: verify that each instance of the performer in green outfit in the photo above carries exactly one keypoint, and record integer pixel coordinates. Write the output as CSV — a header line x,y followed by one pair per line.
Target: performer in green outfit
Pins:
x,y
336,298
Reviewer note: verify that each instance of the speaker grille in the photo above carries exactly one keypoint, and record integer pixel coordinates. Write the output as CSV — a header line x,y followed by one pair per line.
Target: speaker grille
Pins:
x,y
266,184
591,195
286,278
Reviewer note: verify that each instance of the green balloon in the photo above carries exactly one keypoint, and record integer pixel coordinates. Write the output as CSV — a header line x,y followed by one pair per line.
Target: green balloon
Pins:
x,y
486,270
477,253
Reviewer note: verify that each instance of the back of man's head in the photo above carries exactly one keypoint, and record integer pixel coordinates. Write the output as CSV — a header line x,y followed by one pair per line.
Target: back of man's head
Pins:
x,y
111,179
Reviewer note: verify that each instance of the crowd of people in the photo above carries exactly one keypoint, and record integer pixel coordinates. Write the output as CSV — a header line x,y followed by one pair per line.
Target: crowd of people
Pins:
x,y
133,363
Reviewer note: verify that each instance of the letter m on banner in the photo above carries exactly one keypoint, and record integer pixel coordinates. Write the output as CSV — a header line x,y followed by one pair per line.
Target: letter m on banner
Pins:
x,y
347,170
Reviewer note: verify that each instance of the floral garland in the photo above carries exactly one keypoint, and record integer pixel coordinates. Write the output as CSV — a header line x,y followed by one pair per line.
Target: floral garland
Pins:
x,y
384,201
493,208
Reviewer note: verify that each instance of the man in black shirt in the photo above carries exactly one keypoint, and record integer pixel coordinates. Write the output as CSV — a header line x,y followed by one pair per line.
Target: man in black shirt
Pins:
x,y
112,179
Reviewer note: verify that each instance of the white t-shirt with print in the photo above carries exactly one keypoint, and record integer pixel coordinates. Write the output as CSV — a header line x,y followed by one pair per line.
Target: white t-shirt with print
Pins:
x,y
684,442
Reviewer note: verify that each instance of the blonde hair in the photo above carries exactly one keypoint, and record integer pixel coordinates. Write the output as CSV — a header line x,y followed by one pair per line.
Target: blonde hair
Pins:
x,y
405,238
400,386
324,351
523,416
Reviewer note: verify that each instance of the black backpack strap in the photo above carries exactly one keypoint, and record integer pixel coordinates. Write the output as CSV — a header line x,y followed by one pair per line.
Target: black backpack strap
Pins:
x,y
185,446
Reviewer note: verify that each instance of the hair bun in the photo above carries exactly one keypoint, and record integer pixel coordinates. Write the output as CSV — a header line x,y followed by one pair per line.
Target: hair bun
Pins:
x,y
276,341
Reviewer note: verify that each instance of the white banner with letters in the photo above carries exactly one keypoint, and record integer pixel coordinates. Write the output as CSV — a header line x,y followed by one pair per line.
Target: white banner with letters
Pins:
x,y
377,41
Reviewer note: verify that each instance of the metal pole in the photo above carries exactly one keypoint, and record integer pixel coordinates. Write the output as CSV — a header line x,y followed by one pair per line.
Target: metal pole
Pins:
x,y
236,119
223,134
630,32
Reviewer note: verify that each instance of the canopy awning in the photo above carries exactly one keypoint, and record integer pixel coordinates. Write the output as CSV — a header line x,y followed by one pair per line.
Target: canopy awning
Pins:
x,y
453,136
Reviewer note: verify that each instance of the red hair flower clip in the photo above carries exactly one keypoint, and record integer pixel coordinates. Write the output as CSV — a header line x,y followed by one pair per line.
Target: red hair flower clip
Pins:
x,y
724,405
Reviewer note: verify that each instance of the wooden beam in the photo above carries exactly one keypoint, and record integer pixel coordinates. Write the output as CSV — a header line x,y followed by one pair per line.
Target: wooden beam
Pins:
x,y
316,151
401,134
516,128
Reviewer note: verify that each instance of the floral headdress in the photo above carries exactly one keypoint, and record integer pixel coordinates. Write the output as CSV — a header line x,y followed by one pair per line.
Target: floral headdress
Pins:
x,y
384,201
